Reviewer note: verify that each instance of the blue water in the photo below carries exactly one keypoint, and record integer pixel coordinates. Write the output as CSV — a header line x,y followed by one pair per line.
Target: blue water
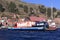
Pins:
x,y
32,35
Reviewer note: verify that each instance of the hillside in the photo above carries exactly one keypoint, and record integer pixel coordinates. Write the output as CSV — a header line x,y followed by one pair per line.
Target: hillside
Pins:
x,y
9,7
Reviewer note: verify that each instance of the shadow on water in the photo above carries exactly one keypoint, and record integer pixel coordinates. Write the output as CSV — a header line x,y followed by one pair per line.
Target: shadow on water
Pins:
x,y
29,35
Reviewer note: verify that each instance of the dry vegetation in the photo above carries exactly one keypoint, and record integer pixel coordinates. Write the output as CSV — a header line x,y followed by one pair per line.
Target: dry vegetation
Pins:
x,y
9,7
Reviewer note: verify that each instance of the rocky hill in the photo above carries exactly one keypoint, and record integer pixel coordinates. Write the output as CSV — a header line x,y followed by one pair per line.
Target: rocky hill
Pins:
x,y
23,9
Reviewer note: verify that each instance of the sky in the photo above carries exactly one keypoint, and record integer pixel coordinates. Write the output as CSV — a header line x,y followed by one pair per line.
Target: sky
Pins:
x,y
47,3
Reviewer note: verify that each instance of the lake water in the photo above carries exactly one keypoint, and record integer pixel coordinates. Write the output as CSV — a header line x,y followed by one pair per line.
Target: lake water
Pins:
x,y
29,35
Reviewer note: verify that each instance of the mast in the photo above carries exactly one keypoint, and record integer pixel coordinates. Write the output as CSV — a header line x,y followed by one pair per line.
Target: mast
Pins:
x,y
46,12
51,10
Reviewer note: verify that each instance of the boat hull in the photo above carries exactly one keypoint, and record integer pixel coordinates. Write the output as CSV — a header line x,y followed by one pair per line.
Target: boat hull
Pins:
x,y
27,29
30,29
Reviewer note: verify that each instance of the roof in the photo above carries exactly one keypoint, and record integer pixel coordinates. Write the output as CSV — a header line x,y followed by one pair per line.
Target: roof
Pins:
x,y
34,18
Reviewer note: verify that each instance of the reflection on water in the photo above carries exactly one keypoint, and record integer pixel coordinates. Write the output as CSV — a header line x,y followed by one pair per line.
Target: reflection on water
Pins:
x,y
32,35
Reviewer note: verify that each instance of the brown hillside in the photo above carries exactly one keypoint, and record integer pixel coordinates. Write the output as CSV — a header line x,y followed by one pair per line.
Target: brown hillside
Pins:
x,y
23,8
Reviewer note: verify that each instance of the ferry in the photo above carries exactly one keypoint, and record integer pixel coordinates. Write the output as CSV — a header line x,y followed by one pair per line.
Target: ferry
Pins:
x,y
32,23
32,26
